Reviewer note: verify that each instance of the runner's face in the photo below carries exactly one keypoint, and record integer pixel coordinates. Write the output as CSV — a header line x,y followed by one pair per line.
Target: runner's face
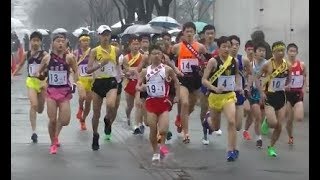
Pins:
x,y
84,43
292,52
189,33
35,43
234,47
167,39
209,35
260,53
60,44
156,56
249,51
105,36
224,49
135,46
145,43
279,53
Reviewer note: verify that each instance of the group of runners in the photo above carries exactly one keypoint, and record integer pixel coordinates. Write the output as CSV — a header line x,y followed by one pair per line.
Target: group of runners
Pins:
x,y
156,76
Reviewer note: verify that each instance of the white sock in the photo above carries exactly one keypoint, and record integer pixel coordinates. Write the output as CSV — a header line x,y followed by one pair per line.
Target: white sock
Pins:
x,y
259,137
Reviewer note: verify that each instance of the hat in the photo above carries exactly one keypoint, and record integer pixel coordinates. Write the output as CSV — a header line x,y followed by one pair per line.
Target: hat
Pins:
x,y
59,35
103,28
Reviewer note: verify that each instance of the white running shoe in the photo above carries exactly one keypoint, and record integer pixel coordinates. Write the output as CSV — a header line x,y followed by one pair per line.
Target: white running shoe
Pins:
x,y
218,133
205,142
156,157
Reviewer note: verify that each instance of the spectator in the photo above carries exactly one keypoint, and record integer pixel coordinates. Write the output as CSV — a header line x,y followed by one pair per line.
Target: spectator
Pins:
x,y
257,36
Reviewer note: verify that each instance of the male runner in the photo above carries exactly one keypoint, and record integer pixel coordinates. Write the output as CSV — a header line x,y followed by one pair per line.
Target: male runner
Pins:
x,y
103,63
85,80
272,91
156,77
294,96
36,87
221,77
59,91
189,54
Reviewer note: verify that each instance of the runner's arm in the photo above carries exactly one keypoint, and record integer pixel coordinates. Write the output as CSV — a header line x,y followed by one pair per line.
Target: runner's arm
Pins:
x,y
141,79
173,77
249,70
305,77
175,49
259,84
44,63
91,67
73,64
289,78
171,65
142,63
212,64
237,77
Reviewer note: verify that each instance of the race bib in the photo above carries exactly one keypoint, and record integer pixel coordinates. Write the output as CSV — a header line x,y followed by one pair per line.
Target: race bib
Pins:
x,y
57,78
156,89
228,82
278,84
297,81
83,70
108,69
33,69
187,63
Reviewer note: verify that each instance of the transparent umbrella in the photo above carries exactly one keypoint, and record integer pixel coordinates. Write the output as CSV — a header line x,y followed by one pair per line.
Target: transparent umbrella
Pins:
x,y
165,22
43,31
141,29
59,30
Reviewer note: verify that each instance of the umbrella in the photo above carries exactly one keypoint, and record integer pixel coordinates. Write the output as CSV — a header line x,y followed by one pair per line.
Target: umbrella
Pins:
x,y
59,30
16,23
25,31
199,25
174,32
43,31
165,22
141,29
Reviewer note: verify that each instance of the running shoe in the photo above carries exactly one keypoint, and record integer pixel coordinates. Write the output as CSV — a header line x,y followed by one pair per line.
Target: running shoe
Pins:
x,y
53,149
95,142
231,156
169,135
163,151
259,143
205,141
272,151
34,138
218,133
156,157
246,135
290,142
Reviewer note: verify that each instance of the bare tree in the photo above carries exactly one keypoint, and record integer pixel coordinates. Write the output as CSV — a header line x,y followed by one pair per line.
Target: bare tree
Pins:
x,y
52,14
100,12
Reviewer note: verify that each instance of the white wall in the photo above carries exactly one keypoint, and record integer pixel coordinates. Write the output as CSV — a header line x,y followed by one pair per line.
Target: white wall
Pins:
x,y
242,17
